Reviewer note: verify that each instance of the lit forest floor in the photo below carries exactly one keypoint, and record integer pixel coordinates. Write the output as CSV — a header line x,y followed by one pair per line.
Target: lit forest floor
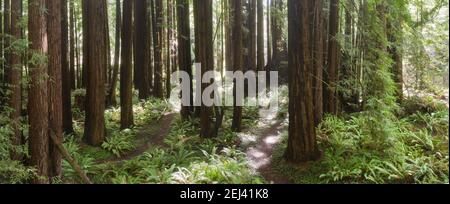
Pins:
x,y
162,148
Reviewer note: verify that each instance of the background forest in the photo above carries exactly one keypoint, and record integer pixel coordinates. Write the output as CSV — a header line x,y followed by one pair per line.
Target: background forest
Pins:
x,y
84,88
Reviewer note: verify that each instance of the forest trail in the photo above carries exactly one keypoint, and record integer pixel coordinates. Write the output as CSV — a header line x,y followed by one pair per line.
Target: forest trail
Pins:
x,y
150,140
259,153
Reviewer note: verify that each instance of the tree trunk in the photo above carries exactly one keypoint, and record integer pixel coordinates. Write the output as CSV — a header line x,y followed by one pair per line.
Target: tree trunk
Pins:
x,y
140,46
55,82
115,75
204,13
95,93
158,43
317,54
14,81
67,71
85,68
238,62
302,144
126,75
260,40
184,51
38,92
331,76
72,77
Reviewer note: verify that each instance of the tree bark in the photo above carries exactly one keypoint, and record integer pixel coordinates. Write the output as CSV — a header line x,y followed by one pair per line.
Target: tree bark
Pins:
x,y
260,40
115,75
54,82
158,43
331,76
126,75
318,57
15,76
238,61
38,92
302,144
184,51
67,70
204,13
140,46
97,62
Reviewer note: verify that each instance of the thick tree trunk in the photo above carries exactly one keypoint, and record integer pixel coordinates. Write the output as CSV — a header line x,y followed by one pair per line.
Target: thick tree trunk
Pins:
x,y
55,83
140,46
126,75
238,61
302,144
95,93
15,76
67,71
38,92
204,13
184,51
331,76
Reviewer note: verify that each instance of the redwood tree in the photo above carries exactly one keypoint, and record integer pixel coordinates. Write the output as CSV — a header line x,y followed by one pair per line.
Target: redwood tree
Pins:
x,y
38,92
302,144
68,75
331,75
238,61
126,74
55,83
15,75
184,50
97,62
203,22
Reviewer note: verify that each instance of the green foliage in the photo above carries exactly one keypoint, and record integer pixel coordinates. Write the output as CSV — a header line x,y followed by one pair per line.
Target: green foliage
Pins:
x,y
119,142
85,161
11,172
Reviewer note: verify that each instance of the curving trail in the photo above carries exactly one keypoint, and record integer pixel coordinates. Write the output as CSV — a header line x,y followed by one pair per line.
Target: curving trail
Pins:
x,y
151,140
260,153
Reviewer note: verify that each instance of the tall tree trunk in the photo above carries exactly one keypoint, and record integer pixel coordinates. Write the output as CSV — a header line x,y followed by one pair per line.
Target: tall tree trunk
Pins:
x,y
95,93
157,49
15,77
331,76
55,83
318,57
141,59
204,13
238,62
72,77
260,40
115,75
252,35
184,51
126,75
6,38
67,71
169,47
38,92
302,144
85,68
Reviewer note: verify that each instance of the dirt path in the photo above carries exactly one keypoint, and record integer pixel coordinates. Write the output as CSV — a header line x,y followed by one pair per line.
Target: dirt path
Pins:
x,y
150,140
260,153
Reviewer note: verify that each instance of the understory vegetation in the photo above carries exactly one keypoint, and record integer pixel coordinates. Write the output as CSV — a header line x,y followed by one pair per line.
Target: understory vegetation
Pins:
x,y
408,147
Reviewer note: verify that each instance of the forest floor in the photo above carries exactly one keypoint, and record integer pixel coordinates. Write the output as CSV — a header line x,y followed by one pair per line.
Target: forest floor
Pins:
x,y
148,138
262,143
